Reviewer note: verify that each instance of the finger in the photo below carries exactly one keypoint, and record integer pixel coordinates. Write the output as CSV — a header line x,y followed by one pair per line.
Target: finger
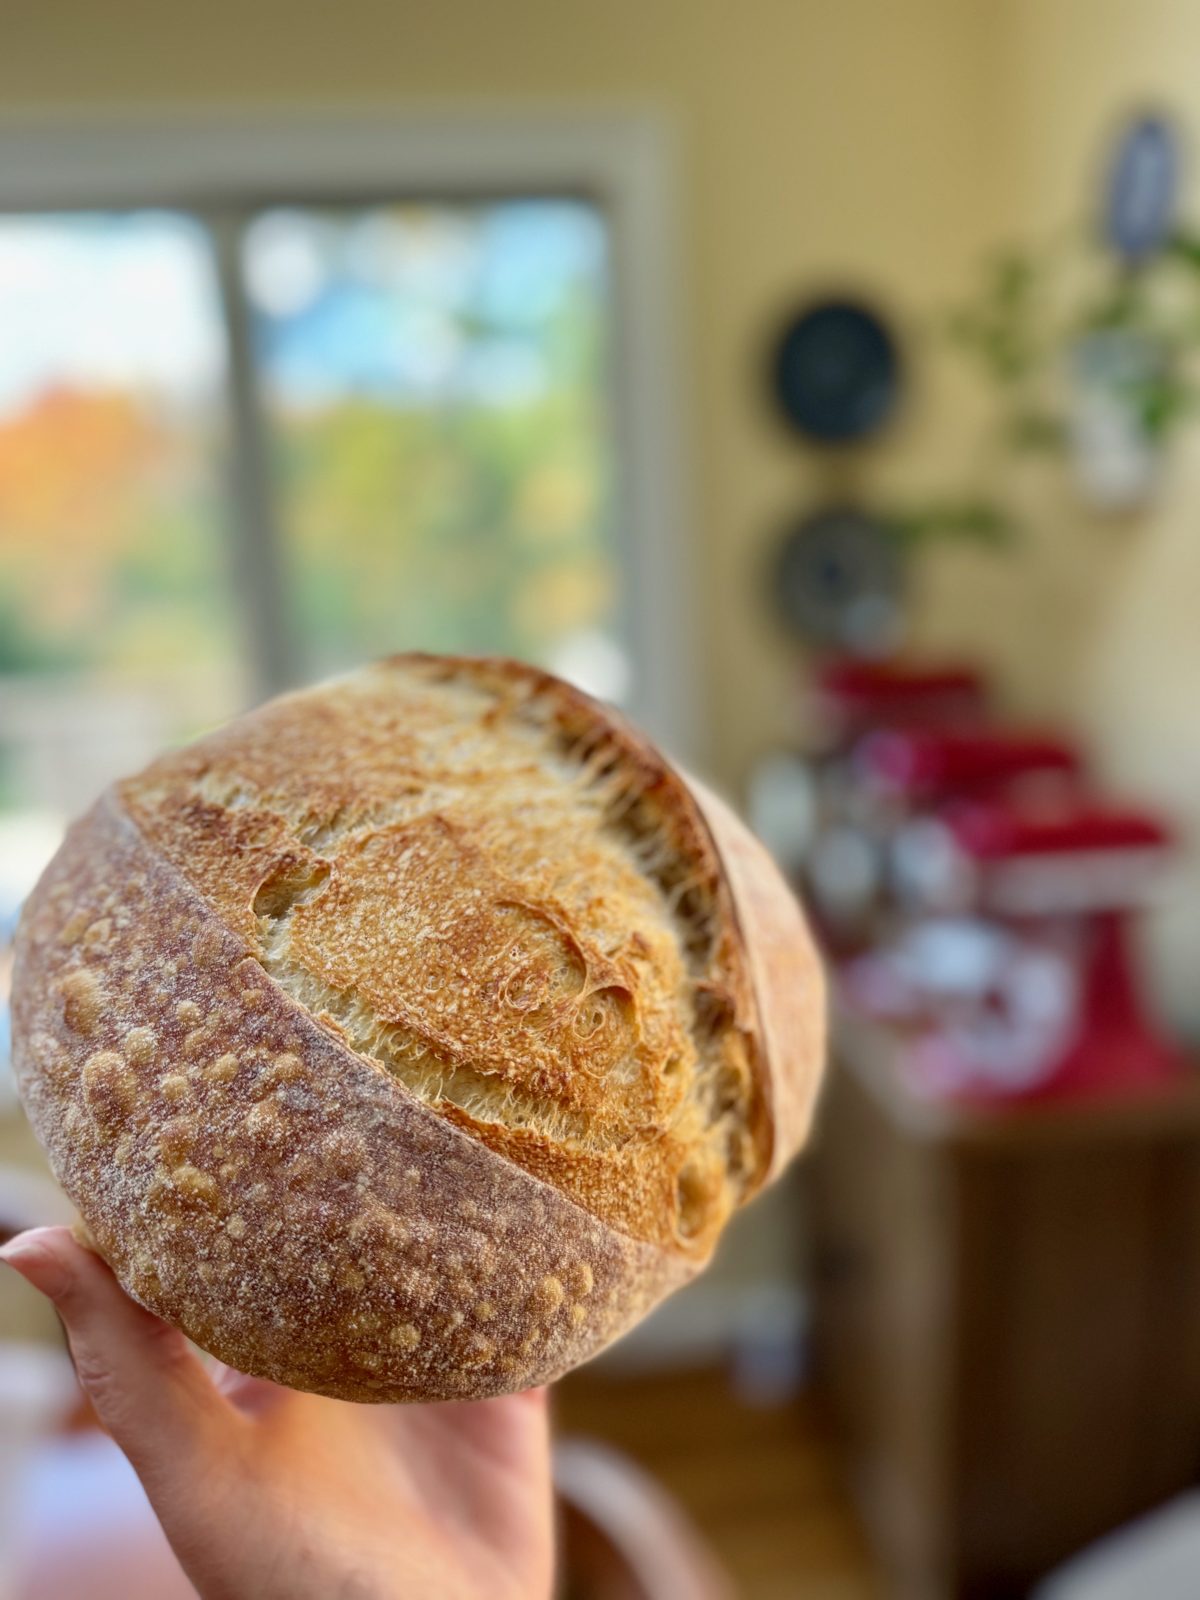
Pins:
x,y
147,1387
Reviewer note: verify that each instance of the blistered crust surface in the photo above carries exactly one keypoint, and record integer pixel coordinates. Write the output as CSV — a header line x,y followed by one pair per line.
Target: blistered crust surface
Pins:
x,y
490,887
285,1202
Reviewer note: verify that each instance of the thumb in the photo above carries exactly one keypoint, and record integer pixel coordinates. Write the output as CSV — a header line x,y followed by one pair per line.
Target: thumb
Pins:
x,y
148,1388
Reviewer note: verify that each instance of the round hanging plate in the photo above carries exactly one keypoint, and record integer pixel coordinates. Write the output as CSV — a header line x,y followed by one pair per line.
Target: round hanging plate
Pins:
x,y
836,372
1142,192
838,581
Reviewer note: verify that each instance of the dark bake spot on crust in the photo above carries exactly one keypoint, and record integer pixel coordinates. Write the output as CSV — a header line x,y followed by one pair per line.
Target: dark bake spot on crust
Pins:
x,y
714,1010
292,883
690,893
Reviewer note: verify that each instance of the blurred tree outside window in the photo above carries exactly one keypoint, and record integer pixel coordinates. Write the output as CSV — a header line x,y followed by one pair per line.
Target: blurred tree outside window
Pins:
x,y
435,382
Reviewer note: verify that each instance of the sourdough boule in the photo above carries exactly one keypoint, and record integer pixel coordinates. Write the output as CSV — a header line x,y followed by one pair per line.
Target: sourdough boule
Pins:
x,y
411,1036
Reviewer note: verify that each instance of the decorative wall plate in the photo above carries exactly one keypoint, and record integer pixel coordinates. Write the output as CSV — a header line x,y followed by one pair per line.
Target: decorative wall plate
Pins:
x,y
836,372
838,581
1142,190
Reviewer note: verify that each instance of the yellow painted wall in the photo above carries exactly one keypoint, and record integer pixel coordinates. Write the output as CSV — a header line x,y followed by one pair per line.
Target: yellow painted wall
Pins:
x,y
1130,654
822,141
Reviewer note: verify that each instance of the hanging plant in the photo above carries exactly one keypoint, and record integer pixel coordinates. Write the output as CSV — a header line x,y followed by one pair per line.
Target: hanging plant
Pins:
x,y
1104,375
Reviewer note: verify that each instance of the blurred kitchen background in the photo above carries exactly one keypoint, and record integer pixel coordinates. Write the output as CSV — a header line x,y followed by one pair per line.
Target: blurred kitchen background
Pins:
x,y
821,382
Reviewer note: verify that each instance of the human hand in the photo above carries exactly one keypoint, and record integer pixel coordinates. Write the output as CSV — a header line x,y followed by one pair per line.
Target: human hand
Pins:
x,y
267,1494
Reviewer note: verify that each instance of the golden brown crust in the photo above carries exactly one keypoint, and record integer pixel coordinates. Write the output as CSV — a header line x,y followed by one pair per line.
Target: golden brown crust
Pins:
x,y
400,1040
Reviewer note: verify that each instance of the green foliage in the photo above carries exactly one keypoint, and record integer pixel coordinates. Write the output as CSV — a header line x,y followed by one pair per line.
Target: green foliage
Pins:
x,y
457,526
420,527
977,521
23,649
451,525
1032,431
999,329
1022,348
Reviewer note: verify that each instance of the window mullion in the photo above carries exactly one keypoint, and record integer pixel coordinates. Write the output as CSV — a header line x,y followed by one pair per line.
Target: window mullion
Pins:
x,y
256,523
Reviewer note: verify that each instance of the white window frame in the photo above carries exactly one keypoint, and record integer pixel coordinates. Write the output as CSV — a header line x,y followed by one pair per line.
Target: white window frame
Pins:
x,y
624,162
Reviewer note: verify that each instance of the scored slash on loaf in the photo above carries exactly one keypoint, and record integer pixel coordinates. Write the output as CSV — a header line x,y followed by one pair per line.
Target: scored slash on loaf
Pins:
x,y
410,1037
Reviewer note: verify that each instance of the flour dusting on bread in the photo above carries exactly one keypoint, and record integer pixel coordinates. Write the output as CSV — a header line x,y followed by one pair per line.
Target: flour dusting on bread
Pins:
x,y
400,1040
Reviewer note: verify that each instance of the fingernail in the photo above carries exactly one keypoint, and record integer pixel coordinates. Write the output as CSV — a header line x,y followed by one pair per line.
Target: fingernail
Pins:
x,y
37,1265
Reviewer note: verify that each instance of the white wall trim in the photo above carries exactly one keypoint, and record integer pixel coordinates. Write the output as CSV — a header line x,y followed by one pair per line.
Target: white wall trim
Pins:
x,y
622,159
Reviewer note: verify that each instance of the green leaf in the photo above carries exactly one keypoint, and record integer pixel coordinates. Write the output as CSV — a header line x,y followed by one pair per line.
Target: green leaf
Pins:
x,y
1035,432
981,522
1012,279
1184,247
1161,402
1121,307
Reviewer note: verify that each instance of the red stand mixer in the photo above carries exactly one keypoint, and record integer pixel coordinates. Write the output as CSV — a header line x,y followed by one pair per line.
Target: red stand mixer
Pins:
x,y
1012,973
853,696
842,859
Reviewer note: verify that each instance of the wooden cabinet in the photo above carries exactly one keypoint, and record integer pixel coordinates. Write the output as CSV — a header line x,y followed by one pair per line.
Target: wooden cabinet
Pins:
x,y
1006,1320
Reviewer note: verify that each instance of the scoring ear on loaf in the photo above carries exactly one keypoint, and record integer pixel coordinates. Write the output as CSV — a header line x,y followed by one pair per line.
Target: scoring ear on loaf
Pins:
x,y
411,1036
